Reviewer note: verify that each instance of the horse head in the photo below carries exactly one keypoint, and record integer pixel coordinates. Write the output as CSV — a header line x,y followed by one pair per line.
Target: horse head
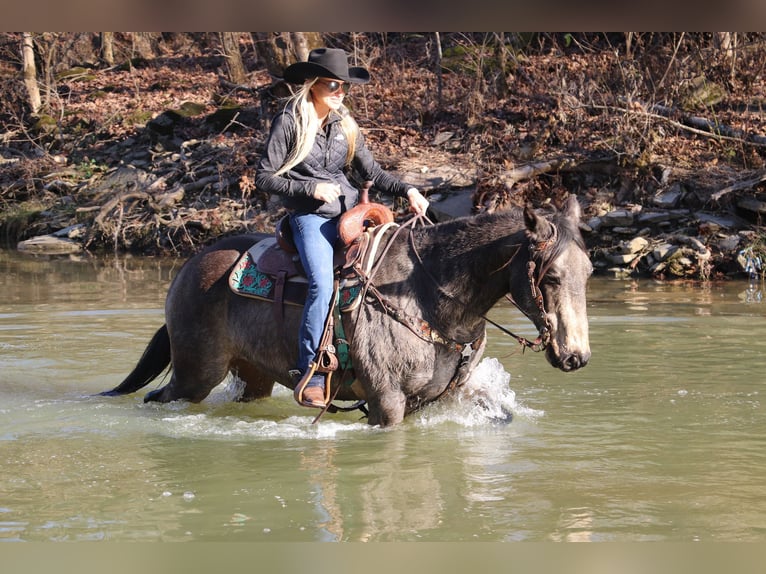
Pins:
x,y
552,294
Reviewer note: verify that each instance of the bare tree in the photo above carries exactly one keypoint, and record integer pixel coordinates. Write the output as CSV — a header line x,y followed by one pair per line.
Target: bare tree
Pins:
x,y
280,49
107,48
30,72
301,46
234,65
727,42
143,44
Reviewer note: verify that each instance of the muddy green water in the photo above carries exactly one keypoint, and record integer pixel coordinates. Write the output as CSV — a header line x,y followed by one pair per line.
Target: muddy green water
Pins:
x,y
661,437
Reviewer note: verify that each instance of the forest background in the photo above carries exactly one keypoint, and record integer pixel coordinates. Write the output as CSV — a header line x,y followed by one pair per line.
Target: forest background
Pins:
x,y
146,142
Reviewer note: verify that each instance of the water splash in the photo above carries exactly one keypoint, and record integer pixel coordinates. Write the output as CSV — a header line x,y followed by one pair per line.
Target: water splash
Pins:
x,y
293,427
485,398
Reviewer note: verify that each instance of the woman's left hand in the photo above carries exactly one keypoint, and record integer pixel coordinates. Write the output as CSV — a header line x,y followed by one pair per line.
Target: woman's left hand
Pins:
x,y
418,203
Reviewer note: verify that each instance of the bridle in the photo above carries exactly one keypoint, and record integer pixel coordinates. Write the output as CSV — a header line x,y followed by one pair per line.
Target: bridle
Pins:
x,y
536,252
544,333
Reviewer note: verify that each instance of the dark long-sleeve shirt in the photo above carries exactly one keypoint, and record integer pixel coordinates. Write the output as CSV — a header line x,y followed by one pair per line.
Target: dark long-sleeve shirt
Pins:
x,y
326,162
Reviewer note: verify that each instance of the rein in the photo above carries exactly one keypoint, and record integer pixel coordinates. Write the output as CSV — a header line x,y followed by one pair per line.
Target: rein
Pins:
x,y
419,327
543,338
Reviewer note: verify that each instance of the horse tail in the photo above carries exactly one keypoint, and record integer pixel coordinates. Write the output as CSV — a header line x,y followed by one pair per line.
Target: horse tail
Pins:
x,y
152,363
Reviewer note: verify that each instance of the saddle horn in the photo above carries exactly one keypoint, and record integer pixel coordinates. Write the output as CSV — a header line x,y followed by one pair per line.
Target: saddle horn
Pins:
x,y
363,215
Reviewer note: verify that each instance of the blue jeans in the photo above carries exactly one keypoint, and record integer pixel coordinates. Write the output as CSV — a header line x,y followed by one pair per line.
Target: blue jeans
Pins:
x,y
315,238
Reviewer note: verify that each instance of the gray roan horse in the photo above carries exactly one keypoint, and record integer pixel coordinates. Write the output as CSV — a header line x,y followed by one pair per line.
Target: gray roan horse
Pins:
x,y
419,331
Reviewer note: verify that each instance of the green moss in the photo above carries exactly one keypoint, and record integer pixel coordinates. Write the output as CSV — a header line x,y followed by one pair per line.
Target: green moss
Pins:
x,y
97,95
189,109
77,73
45,124
87,167
15,219
138,118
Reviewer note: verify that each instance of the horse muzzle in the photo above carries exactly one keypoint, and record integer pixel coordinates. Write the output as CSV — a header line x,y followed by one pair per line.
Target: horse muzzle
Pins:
x,y
568,362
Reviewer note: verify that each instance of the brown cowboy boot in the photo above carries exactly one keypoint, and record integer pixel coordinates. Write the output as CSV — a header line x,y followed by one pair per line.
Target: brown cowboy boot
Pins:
x,y
313,396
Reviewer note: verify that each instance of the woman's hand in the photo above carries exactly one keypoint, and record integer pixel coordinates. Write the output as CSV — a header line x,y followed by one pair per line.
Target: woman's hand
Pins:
x,y
418,203
327,192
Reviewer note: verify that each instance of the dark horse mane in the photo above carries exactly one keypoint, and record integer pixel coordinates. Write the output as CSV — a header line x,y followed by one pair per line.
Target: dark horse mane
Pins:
x,y
507,233
502,224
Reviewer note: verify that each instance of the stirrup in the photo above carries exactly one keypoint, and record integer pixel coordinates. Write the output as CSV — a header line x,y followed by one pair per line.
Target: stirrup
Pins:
x,y
300,387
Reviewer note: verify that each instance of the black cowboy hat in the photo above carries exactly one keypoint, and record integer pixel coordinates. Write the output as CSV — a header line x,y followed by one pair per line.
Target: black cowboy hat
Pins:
x,y
326,63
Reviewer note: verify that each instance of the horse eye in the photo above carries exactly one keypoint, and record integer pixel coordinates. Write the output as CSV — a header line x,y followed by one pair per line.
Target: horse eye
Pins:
x,y
553,279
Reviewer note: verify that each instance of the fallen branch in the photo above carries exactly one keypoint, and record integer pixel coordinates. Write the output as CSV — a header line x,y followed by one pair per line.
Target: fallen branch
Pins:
x,y
693,124
708,126
512,176
740,185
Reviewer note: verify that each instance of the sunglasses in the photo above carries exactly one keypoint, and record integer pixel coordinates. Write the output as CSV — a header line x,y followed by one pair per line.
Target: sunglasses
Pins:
x,y
334,85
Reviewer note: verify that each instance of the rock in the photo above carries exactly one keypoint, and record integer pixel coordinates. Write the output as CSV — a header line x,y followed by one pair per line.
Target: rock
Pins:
x,y
729,243
621,258
71,232
653,217
595,223
751,204
719,220
49,244
455,205
670,198
442,137
663,251
634,246
163,124
620,217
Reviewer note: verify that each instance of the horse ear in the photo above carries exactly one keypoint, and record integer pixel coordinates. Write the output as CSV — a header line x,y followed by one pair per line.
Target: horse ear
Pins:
x,y
539,228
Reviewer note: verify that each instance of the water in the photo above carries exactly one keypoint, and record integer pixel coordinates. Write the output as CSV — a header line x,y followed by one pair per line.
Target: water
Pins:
x,y
661,438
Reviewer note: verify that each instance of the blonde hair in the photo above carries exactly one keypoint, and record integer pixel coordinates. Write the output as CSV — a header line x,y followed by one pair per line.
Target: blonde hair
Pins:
x,y
307,125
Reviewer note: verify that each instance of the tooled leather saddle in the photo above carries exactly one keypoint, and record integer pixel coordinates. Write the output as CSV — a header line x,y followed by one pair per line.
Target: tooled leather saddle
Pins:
x,y
271,270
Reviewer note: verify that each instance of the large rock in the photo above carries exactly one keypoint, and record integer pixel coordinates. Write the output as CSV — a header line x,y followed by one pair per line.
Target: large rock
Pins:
x,y
618,218
49,245
453,205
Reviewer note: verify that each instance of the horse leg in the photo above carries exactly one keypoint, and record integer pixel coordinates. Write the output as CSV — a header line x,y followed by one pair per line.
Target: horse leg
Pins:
x,y
194,376
386,409
257,385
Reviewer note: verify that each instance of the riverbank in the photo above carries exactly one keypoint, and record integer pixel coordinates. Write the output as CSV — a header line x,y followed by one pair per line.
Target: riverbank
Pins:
x,y
158,159
143,199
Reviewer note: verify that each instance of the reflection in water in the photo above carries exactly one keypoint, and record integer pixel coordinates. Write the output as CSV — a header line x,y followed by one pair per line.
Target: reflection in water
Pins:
x,y
754,291
576,524
661,437
323,480
401,496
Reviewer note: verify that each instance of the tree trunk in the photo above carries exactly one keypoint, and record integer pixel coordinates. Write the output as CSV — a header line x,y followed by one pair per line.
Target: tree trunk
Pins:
x,y
502,63
728,44
30,72
280,49
234,65
301,46
107,48
438,70
143,44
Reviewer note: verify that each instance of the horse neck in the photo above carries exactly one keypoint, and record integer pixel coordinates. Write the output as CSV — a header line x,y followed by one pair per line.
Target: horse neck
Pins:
x,y
470,260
